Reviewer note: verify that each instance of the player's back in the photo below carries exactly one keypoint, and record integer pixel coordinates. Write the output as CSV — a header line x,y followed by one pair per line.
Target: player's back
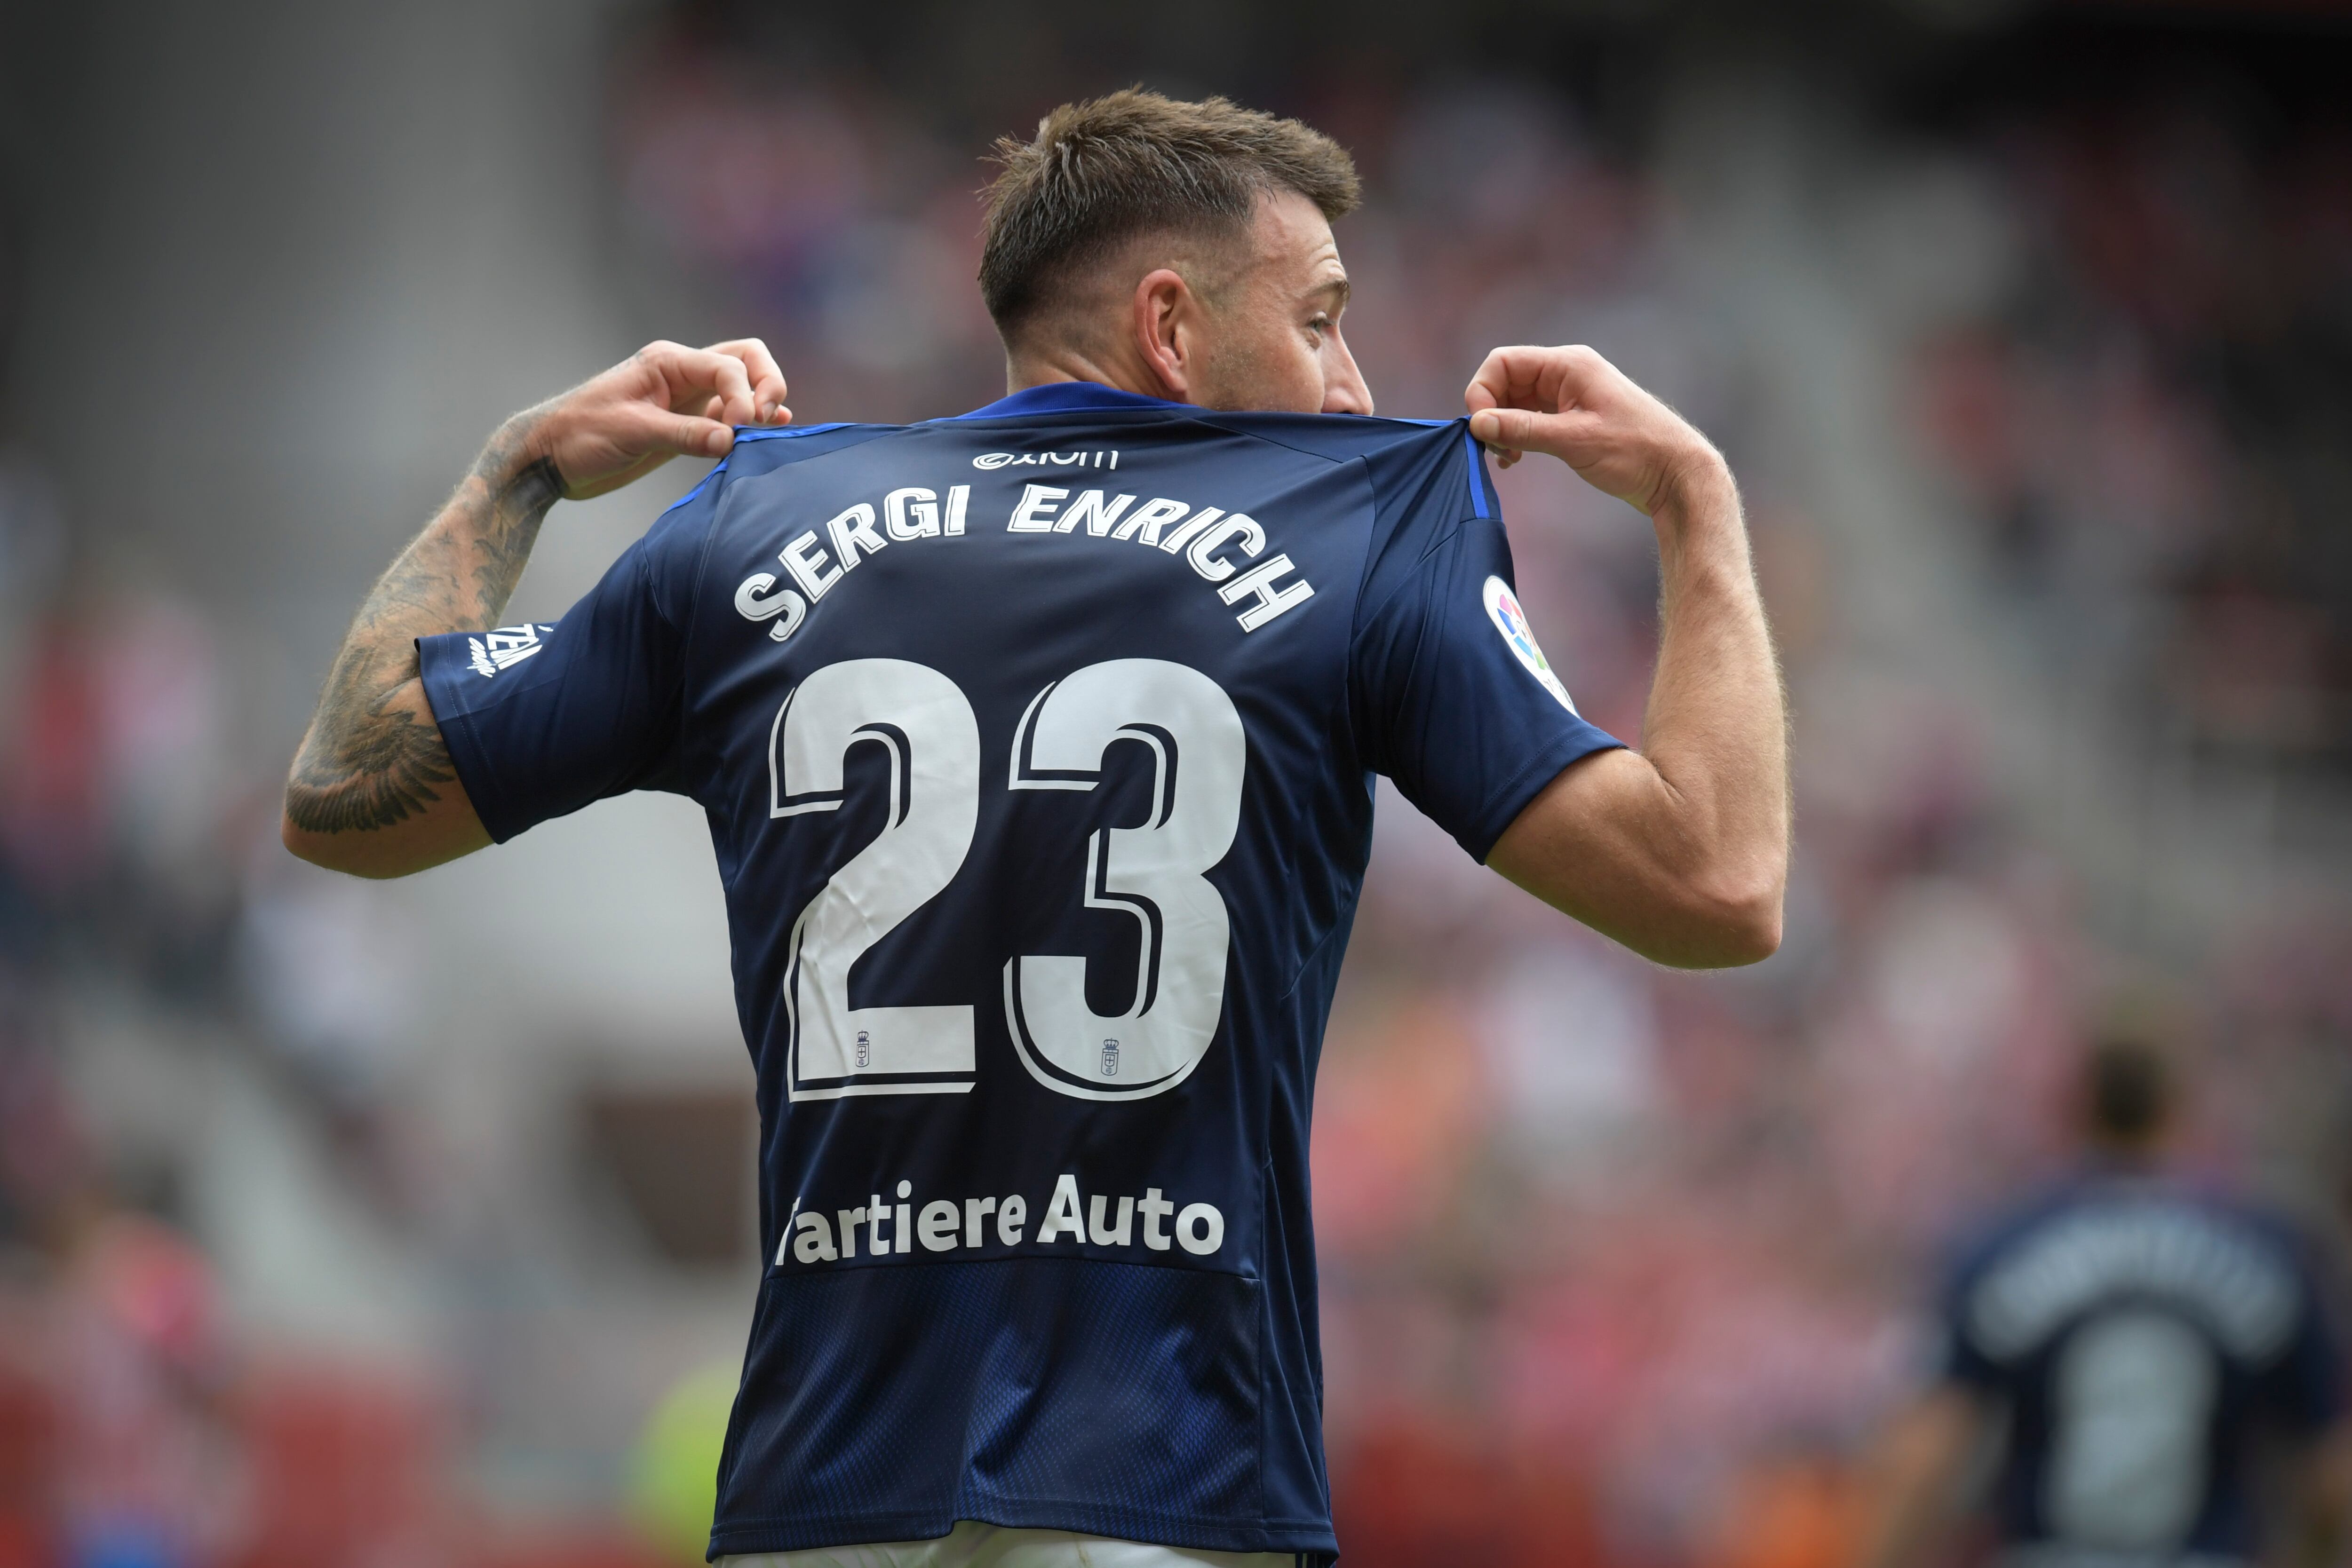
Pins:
x,y
1036,748
1108,695
2142,1336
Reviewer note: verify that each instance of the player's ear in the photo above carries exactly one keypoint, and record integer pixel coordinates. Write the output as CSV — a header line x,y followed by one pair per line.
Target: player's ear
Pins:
x,y
1167,331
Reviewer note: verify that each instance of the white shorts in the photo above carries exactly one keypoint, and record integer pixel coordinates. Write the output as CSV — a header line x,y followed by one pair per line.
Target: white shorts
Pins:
x,y
975,1545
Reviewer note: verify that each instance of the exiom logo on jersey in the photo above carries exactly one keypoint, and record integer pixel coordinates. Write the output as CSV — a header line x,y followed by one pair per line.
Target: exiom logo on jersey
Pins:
x,y
504,648
990,461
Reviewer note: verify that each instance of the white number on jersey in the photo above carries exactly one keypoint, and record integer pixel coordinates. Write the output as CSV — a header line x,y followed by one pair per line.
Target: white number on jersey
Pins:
x,y
1154,872
926,725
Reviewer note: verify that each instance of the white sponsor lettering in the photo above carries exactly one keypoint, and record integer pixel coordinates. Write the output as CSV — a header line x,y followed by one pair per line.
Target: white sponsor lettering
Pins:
x,y
1200,1229
814,1235
1062,1213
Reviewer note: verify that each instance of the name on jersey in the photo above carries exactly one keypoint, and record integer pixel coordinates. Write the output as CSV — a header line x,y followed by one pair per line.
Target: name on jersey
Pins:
x,y
2241,1286
1222,548
814,1236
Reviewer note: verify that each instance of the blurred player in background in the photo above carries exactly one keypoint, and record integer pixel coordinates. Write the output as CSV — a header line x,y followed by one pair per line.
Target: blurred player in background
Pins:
x,y
1038,745
2144,1372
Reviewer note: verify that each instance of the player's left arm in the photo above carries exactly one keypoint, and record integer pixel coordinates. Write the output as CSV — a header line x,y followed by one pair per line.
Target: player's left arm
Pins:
x,y
2320,1501
2305,1393
1680,850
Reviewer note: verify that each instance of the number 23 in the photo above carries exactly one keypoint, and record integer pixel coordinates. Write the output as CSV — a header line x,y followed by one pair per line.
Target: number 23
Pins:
x,y
1154,872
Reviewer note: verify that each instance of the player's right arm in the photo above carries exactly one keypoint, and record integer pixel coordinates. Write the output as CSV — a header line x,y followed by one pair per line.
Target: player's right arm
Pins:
x,y
1680,850
374,790
1916,1477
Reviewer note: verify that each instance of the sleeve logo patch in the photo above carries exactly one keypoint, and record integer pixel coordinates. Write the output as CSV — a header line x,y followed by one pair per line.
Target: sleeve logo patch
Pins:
x,y
1503,608
506,647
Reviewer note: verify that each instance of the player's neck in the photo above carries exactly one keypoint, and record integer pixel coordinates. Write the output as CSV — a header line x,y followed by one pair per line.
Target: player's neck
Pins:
x,y
2127,1156
1065,364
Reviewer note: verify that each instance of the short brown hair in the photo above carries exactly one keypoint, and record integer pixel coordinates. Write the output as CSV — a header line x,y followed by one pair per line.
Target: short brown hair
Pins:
x,y
2128,1088
1100,172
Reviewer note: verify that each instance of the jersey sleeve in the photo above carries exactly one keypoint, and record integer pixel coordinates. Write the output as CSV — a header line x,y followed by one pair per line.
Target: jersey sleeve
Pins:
x,y
541,720
1451,697
1957,1357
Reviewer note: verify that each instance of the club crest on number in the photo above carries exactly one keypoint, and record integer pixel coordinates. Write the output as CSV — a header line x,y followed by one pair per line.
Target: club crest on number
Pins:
x,y
1110,1059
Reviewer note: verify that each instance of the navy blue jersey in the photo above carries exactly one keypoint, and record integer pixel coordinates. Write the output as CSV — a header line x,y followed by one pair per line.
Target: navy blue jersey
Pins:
x,y
1037,748
2140,1338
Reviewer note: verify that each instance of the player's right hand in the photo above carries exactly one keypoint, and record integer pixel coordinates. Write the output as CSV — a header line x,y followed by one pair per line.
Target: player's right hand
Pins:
x,y
1584,411
662,401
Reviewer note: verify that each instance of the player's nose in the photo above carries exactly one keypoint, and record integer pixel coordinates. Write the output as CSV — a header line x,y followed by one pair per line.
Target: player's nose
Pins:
x,y
1344,389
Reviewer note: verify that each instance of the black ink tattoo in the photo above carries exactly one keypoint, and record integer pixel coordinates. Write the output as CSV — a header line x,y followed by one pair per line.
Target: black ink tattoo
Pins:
x,y
374,755
381,765
521,503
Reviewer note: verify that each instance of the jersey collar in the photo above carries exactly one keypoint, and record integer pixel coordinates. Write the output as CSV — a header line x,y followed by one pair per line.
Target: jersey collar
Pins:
x,y
1064,397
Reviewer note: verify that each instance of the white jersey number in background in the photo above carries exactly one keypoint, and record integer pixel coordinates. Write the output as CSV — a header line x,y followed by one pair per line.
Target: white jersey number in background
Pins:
x,y
2134,1396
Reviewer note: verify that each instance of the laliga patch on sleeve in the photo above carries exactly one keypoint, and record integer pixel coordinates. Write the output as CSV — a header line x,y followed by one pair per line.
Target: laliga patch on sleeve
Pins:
x,y
1503,608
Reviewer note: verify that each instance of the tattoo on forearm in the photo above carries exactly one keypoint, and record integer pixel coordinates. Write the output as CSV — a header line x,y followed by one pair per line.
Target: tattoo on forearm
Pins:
x,y
371,760
521,502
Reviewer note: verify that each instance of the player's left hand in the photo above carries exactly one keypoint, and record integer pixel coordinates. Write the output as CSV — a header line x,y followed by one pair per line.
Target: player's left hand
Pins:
x,y
664,401
1579,408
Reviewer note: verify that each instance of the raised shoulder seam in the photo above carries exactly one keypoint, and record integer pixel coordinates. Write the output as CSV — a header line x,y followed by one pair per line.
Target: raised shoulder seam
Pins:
x,y
644,556
1209,417
1213,424
793,432
1366,617
702,556
788,456
715,482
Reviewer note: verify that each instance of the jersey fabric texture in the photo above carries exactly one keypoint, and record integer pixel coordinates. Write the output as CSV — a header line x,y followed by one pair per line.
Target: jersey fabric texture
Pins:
x,y
2141,1336
1036,747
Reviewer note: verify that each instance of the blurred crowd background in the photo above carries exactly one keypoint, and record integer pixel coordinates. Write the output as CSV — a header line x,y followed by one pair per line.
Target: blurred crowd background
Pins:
x,y
356,1224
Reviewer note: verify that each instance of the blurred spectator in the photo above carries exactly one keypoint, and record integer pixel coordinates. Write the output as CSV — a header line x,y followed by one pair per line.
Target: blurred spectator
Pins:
x,y
2151,421
150,1474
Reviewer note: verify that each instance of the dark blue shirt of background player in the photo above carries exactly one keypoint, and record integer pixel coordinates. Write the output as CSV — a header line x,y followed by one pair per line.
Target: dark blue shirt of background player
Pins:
x,y
2145,1355
2141,1337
